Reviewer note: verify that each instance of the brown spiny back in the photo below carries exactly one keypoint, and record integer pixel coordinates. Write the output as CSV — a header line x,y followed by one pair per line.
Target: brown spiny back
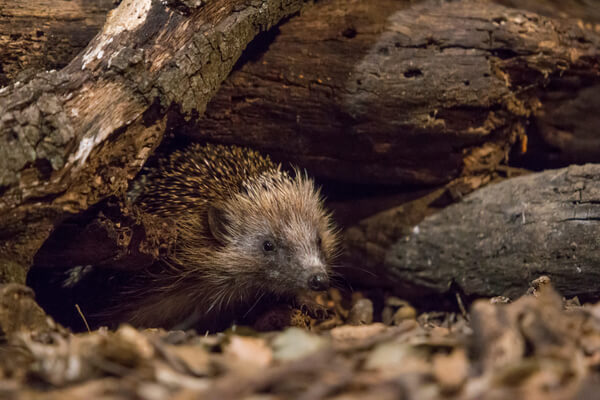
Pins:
x,y
259,203
198,174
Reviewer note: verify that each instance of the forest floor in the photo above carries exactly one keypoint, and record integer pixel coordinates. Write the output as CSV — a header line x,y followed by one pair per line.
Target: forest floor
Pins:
x,y
540,346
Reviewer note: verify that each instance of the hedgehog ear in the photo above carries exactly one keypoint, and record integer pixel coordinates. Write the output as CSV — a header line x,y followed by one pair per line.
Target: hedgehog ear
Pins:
x,y
217,223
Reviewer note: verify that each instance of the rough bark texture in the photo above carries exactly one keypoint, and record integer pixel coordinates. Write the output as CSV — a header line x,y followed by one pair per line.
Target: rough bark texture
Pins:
x,y
46,35
112,235
38,35
20,313
585,10
501,237
385,92
565,129
72,137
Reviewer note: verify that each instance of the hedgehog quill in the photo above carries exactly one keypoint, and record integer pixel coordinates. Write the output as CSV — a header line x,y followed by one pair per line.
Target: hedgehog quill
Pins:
x,y
245,228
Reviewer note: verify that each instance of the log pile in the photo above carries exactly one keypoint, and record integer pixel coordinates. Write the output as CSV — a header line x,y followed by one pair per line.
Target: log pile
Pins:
x,y
432,127
399,108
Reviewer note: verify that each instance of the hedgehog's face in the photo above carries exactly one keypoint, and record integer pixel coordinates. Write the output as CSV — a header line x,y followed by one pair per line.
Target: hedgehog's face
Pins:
x,y
292,256
280,235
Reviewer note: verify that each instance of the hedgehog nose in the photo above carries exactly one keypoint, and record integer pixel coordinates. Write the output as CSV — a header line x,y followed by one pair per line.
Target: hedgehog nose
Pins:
x,y
318,282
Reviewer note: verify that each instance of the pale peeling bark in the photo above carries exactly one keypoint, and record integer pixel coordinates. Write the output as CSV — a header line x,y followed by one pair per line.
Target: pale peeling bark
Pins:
x,y
72,137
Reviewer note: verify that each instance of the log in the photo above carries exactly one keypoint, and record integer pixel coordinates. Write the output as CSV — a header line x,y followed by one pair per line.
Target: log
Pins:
x,y
501,237
20,313
73,137
391,93
585,11
39,35
36,36
559,139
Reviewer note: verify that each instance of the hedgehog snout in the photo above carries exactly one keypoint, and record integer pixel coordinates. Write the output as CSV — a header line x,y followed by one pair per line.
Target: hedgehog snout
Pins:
x,y
318,281
314,272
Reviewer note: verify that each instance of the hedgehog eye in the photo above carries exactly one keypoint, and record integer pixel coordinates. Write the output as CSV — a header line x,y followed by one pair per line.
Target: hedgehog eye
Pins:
x,y
268,246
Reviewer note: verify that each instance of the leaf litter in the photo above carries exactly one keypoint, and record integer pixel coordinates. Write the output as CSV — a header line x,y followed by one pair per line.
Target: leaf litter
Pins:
x,y
540,346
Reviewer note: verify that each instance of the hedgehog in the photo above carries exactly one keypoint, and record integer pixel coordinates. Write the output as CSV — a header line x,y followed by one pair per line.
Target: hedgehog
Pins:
x,y
245,228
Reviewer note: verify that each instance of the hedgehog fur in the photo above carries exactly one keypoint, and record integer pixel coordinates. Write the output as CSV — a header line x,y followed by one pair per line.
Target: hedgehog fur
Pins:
x,y
245,229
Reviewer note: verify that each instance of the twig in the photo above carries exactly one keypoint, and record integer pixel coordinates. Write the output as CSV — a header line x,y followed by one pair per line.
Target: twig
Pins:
x,y
463,310
83,318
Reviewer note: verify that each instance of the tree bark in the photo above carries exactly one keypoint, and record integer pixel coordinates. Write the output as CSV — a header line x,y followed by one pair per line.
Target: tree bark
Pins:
x,y
501,237
72,137
584,10
356,91
391,93
37,35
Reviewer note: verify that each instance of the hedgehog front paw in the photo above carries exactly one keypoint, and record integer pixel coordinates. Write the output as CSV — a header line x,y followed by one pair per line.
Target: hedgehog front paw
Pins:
x,y
311,305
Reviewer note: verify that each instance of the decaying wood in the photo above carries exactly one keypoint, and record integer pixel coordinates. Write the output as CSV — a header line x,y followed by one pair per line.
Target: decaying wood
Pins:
x,y
47,35
501,237
585,10
40,35
388,92
557,137
72,137
117,236
20,313
565,128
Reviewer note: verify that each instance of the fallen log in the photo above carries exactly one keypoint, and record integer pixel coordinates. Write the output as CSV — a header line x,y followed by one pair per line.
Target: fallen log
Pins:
x,y
73,137
499,238
39,35
393,93
586,11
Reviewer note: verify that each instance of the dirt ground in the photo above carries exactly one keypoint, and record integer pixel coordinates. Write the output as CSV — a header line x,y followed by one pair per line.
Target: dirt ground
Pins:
x,y
540,346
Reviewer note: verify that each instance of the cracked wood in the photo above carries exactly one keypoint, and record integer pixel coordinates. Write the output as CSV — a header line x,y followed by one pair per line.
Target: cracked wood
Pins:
x,y
501,237
394,92
72,137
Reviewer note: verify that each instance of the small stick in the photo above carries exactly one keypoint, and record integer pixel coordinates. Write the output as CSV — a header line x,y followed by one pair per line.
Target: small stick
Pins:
x,y
83,318
463,310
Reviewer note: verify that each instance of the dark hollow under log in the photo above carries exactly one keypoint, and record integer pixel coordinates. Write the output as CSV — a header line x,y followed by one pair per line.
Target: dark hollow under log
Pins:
x,y
501,237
